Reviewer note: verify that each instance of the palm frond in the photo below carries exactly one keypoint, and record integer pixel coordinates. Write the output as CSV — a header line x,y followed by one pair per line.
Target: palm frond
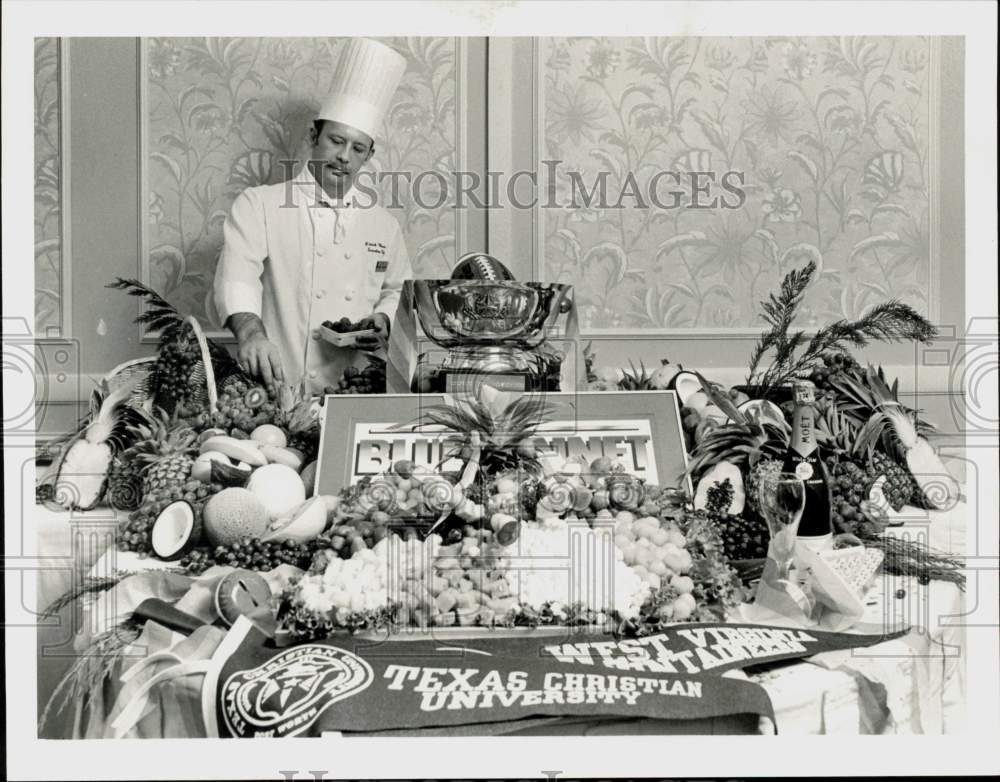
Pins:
x,y
88,586
794,355
135,288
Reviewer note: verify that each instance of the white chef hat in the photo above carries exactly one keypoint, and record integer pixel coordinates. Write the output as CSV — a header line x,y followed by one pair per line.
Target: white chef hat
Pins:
x,y
366,78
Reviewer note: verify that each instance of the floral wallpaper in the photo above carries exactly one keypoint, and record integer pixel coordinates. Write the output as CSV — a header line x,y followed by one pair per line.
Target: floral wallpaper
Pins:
x,y
48,190
831,135
223,113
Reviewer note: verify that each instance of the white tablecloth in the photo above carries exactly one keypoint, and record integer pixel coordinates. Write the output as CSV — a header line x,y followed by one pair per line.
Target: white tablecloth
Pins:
x,y
914,684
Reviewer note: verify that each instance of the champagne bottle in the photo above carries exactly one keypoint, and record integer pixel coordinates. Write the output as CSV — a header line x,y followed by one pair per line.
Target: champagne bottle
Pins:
x,y
803,459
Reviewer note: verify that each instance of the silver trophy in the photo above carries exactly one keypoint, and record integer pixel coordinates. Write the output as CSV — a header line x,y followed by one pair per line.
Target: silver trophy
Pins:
x,y
490,328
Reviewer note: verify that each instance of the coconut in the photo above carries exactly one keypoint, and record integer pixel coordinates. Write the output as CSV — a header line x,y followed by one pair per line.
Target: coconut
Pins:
x,y
232,514
716,475
304,523
278,487
176,531
685,384
269,434
697,401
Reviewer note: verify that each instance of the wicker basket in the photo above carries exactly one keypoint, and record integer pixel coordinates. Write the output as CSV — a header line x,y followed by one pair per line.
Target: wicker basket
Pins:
x,y
202,375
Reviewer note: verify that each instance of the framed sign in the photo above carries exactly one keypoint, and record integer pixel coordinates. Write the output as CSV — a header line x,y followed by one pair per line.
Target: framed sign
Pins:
x,y
364,435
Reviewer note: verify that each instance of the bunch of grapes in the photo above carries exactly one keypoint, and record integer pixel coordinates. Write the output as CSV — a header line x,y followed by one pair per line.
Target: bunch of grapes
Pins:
x,y
243,406
370,380
344,325
743,537
135,530
354,535
251,554
836,366
175,363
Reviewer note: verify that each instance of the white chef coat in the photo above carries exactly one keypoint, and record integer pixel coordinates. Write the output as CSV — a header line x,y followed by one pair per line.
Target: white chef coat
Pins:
x,y
280,262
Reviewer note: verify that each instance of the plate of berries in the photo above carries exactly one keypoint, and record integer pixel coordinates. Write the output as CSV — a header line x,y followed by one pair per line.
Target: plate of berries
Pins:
x,y
344,333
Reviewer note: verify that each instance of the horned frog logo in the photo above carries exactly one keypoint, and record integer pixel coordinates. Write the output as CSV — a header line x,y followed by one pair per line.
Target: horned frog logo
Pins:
x,y
286,695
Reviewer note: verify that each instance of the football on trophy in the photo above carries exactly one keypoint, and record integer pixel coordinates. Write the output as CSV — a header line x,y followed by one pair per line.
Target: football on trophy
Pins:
x,y
480,266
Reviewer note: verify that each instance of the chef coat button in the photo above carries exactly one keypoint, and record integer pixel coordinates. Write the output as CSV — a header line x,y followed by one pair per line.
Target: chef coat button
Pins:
x,y
320,293
348,296
315,333
312,373
347,255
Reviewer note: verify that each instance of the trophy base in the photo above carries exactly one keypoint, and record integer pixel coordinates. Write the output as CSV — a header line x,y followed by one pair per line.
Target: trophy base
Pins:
x,y
458,382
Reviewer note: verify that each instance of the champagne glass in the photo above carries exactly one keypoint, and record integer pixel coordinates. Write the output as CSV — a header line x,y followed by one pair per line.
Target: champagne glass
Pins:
x,y
782,500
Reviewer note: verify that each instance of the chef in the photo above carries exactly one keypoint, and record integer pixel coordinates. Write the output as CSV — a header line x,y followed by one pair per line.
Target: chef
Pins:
x,y
314,248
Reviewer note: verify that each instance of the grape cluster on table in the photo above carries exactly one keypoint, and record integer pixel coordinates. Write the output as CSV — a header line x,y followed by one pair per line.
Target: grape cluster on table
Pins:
x,y
251,554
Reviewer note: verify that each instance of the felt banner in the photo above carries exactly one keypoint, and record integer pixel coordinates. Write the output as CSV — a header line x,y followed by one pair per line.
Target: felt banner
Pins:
x,y
346,684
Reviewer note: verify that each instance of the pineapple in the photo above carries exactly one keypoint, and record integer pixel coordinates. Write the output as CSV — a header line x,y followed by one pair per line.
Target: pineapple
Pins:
x,y
164,455
638,379
81,476
893,435
504,430
124,490
179,375
174,378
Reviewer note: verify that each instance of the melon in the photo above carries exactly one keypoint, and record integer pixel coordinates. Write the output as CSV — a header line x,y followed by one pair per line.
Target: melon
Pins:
x,y
278,487
176,531
308,476
227,474
201,470
269,434
716,475
232,514
304,523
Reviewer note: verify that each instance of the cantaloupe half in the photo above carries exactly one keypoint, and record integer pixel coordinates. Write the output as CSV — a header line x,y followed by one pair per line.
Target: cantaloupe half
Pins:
x,y
304,523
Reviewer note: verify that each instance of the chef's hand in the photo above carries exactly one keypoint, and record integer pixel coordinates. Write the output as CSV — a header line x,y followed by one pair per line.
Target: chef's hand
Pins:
x,y
378,321
255,353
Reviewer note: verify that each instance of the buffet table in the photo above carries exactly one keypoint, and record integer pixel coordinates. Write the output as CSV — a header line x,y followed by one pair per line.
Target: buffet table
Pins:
x,y
912,684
